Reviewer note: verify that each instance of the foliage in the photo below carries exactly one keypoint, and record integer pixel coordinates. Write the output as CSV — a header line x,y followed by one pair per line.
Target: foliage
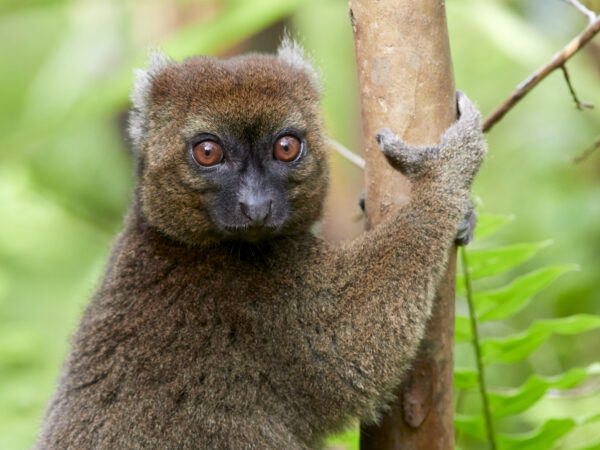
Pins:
x,y
502,403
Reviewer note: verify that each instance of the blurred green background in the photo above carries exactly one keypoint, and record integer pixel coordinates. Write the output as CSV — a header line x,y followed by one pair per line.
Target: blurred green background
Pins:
x,y
66,174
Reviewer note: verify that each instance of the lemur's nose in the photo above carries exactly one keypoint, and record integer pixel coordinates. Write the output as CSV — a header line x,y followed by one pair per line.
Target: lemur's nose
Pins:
x,y
257,209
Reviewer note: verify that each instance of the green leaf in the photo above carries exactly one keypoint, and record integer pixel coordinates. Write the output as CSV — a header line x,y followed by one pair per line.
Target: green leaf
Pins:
x,y
347,441
542,438
506,301
462,329
488,224
3,285
494,261
233,25
465,378
506,31
472,425
519,400
590,419
594,446
519,346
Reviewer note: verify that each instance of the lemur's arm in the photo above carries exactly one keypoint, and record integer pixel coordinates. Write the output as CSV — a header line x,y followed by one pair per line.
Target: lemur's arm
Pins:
x,y
386,279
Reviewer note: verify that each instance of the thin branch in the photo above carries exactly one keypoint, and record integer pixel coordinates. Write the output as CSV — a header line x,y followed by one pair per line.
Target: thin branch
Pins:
x,y
532,81
583,10
480,370
349,155
578,103
595,146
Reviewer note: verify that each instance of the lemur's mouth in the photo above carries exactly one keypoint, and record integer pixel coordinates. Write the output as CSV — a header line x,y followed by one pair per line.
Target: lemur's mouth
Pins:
x,y
250,233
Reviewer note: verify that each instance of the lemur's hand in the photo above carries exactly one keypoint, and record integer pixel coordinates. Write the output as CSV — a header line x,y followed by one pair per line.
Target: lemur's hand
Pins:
x,y
454,161
451,165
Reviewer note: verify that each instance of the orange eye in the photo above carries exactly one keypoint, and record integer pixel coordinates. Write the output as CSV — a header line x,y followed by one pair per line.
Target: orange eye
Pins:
x,y
207,153
286,148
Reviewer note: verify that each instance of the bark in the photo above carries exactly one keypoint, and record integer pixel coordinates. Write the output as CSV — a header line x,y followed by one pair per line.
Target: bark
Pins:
x,y
407,84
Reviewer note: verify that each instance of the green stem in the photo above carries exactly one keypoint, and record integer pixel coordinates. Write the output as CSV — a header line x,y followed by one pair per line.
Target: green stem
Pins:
x,y
480,370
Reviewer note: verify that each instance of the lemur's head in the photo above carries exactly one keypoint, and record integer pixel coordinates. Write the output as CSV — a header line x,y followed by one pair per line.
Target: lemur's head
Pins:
x,y
229,149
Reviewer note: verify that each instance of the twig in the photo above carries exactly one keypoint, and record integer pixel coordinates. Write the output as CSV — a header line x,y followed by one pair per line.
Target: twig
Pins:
x,y
580,105
480,371
349,155
595,146
583,10
532,81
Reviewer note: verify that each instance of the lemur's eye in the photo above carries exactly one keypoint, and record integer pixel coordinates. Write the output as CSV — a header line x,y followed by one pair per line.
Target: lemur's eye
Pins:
x,y
208,153
286,148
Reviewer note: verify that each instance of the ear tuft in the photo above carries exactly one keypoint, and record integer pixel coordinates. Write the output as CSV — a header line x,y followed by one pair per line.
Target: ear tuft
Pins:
x,y
293,54
140,95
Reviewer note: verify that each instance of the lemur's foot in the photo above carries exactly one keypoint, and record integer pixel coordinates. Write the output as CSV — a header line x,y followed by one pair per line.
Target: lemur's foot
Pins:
x,y
464,234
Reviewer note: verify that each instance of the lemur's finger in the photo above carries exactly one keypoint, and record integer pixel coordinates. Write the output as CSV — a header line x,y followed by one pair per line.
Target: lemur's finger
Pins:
x,y
388,142
467,128
405,157
468,113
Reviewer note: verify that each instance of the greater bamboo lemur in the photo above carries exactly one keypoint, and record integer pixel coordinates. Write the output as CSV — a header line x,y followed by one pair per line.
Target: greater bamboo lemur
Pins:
x,y
222,321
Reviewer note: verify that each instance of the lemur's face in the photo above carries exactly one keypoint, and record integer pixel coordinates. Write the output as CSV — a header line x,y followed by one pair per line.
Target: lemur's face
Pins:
x,y
234,150
247,180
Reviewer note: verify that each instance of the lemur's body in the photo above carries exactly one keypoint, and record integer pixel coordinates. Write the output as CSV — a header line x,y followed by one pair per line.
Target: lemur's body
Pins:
x,y
221,321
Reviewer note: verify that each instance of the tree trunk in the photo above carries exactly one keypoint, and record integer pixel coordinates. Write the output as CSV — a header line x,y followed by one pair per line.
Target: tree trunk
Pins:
x,y
407,84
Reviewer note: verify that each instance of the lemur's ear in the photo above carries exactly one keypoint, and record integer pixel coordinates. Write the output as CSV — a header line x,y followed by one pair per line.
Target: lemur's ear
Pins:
x,y
140,95
293,54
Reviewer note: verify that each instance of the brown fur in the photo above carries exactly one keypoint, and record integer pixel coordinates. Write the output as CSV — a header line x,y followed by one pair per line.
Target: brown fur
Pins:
x,y
194,342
